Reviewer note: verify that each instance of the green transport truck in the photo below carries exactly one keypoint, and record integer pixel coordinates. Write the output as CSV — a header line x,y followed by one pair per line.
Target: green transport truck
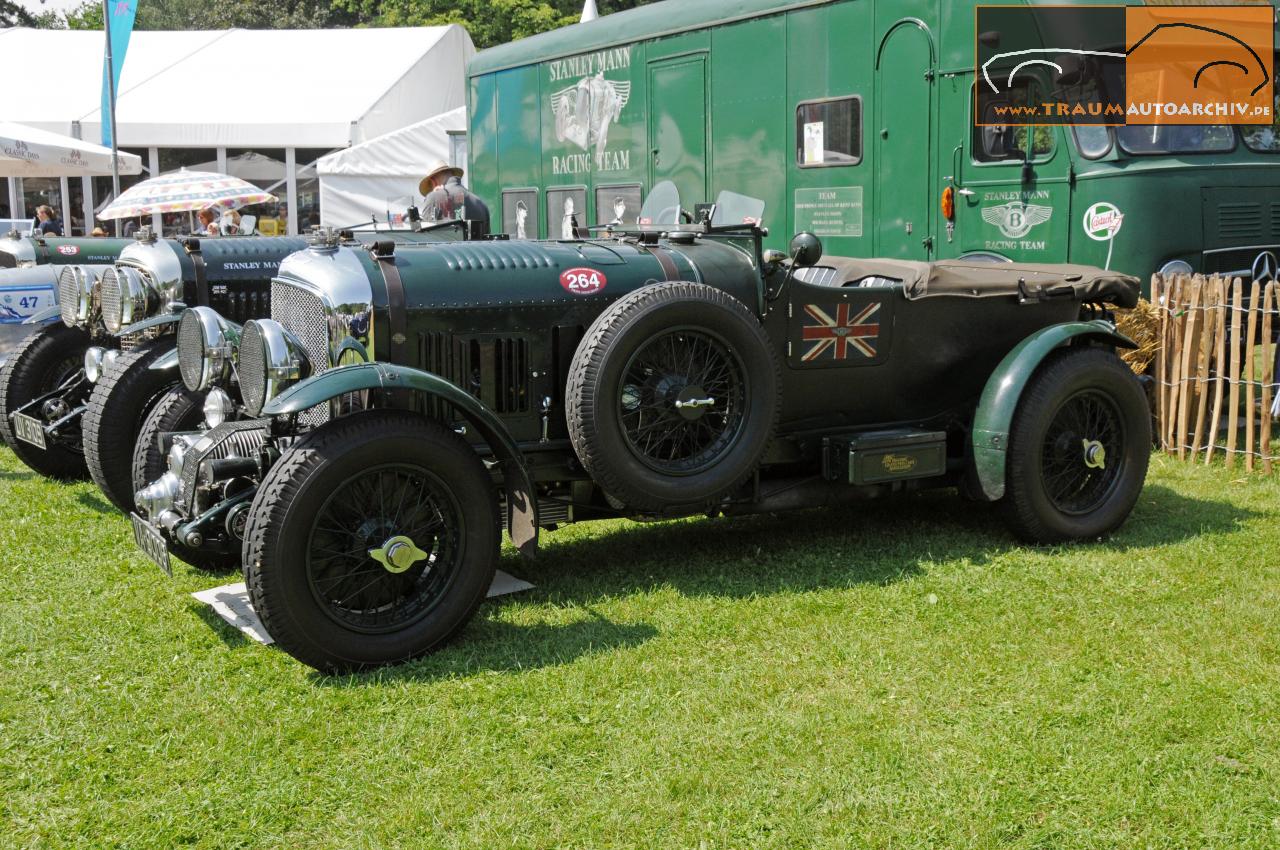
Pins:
x,y
853,119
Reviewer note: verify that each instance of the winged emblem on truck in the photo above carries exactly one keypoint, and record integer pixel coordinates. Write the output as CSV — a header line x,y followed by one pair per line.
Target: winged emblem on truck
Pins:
x,y
1015,219
586,110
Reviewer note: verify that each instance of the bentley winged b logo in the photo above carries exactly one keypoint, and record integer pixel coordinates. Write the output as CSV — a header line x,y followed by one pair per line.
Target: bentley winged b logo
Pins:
x,y
1015,219
585,111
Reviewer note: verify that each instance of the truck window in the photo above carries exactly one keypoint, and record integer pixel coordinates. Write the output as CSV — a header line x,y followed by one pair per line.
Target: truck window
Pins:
x,y
997,142
1176,138
1093,140
1265,138
829,132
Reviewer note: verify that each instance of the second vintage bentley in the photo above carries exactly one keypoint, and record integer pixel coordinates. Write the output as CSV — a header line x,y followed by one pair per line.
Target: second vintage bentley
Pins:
x,y
399,408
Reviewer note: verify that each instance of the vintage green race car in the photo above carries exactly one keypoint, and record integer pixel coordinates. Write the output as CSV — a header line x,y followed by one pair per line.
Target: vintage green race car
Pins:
x,y
403,406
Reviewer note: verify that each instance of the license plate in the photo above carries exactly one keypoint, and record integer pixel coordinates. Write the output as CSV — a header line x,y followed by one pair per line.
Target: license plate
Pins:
x,y
28,429
151,542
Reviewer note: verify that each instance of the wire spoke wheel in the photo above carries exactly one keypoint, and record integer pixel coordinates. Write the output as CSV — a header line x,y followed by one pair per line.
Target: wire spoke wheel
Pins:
x,y
1082,456
682,400
384,548
1079,443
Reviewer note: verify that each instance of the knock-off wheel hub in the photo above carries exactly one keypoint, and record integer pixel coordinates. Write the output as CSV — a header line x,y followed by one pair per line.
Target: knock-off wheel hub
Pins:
x,y
398,554
1095,454
692,401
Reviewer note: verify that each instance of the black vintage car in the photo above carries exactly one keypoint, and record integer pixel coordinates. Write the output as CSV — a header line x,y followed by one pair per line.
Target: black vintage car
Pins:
x,y
74,395
400,407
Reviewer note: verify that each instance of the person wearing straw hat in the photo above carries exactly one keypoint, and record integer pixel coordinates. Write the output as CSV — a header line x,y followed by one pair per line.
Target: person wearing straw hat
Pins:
x,y
448,199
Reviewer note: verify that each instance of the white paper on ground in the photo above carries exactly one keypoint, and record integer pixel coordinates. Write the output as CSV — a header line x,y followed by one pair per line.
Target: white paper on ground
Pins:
x,y
231,603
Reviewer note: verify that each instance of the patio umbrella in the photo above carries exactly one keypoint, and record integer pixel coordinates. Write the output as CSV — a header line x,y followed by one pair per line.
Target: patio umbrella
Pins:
x,y
29,152
185,191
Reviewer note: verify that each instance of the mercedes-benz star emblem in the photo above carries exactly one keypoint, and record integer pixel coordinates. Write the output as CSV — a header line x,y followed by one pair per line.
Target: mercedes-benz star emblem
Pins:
x,y
1265,266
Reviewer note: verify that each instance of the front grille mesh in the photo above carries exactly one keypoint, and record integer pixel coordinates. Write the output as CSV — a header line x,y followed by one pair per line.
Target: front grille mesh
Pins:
x,y
252,367
190,349
230,439
111,294
69,295
302,314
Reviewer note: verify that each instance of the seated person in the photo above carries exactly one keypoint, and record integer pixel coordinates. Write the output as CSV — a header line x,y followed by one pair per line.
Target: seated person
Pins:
x,y
230,223
205,225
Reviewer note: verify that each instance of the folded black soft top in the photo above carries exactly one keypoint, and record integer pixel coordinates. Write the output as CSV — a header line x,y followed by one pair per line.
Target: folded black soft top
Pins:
x,y
968,279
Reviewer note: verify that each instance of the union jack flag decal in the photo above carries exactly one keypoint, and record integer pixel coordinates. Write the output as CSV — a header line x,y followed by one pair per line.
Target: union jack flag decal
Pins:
x,y
845,332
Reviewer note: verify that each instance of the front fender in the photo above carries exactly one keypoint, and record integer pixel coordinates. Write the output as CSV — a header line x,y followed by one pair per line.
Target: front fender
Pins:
x,y
153,322
41,316
522,506
166,361
999,401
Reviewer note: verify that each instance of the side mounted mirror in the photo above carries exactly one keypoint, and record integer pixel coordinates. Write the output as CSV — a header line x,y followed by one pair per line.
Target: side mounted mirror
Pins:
x,y
806,250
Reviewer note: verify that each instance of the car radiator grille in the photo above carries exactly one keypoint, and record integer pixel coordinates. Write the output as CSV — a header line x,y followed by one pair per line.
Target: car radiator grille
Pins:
x,y
303,315
230,439
69,293
110,293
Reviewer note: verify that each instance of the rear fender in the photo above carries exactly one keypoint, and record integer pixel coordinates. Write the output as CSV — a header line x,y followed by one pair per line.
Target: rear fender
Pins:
x,y
999,401
522,506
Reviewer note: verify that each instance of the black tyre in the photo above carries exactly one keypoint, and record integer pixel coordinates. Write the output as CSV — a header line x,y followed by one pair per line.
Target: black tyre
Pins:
x,y
41,363
366,482
177,410
673,397
118,405
1078,448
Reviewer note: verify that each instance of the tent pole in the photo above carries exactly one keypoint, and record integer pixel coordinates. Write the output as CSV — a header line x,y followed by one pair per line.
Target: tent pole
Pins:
x,y
111,91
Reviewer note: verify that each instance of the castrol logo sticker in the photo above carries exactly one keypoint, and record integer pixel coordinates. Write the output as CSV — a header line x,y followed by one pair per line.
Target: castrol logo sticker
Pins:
x,y
69,250
583,281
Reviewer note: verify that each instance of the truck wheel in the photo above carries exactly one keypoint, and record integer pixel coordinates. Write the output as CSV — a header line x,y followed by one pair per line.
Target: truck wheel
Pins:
x,y
673,397
177,410
372,541
118,405
42,362
1079,446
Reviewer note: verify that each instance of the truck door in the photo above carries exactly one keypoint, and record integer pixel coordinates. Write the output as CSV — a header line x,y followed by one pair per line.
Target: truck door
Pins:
x,y
678,126
1012,183
904,110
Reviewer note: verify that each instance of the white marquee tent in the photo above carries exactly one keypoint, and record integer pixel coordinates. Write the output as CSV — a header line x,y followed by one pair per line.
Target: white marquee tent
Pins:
x,y
32,152
278,90
382,174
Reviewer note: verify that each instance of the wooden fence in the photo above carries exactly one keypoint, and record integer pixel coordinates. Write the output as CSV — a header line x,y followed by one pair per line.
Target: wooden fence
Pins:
x,y
1215,369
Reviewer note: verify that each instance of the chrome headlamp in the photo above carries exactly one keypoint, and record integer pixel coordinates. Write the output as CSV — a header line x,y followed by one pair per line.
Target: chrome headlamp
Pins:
x,y
127,297
270,360
77,295
206,347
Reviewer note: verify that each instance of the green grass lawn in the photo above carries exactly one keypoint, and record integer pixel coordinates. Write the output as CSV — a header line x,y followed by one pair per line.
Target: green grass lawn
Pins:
x,y
899,675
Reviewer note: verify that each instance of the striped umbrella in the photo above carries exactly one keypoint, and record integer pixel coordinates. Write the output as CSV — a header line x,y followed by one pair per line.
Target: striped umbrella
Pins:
x,y
185,191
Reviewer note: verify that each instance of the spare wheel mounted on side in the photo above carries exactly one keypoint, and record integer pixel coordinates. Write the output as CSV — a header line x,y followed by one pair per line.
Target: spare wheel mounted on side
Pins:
x,y
673,397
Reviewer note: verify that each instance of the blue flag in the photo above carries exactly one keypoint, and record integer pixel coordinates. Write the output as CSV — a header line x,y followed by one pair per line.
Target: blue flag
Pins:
x,y
119,15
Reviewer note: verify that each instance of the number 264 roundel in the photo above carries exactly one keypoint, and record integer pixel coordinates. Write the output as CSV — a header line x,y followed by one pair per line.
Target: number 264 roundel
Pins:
x,y
583,281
